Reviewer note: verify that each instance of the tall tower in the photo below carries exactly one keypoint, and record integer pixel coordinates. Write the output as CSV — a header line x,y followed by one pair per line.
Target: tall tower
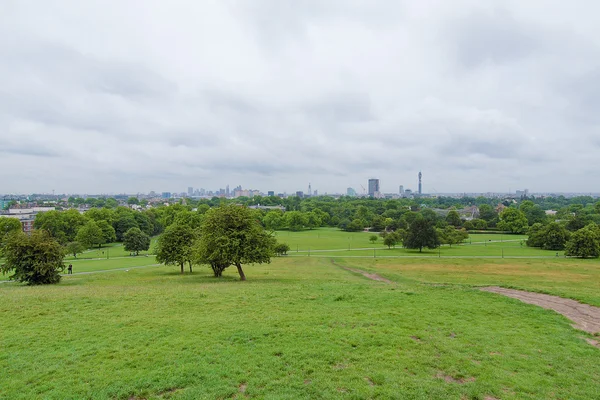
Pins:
x,y
309,189
420,185
373,187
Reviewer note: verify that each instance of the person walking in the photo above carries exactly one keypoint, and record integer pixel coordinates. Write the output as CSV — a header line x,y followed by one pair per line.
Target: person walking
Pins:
x,y
70,269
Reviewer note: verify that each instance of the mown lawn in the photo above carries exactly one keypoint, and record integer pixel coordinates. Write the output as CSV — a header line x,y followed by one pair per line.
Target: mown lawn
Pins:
x,y
298,328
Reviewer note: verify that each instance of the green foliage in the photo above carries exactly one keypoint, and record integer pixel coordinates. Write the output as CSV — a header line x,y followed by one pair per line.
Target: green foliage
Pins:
x,y
230,235
90,235
124,222
74,248
135,241
391,240
274,220
584,243
296,220
453,218
533,212
513,220
281,249
550,237
35,259
373,238
174,246
421,233
108,232
8,226
450,235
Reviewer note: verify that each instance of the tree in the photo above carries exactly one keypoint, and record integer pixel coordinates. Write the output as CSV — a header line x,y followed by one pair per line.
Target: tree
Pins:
x,y
373,238
450,235
125,221
295,220
584,243
535,235
555,236
533,212
36,259
313,220
174,246
274,220
90,235
281,249
230,235
135,240
390,240
133,201
453,218
513,220
108,232
487,213
74,248
8,226
421,233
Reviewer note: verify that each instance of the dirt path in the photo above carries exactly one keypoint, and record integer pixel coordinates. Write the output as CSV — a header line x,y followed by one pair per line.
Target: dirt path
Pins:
x,y
585,317
366,274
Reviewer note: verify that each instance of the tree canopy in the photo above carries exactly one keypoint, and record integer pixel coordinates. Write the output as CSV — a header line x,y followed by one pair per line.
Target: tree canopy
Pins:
x,y
35,259
231,235
421,233
174,246
135,241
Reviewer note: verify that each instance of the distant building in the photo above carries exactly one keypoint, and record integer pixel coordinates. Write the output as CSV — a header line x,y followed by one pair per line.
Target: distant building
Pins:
x,y
271,193
522,193
420,183
316,193
190,191
166,195
300,193
25,215
374,188
351,192
401,190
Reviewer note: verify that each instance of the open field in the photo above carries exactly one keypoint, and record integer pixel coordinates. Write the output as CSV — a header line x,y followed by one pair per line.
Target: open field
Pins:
x,y
300,328
336,243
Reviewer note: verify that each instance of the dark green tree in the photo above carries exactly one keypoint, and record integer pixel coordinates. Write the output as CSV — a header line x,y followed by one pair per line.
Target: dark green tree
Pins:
x,y
453,218
90,235
74,248
35,259
135,241
231,235
174,246
421,233
513,220
584,243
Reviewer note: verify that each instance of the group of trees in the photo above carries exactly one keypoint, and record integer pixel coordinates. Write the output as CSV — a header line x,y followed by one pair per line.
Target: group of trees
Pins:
x,y
228,236
583,242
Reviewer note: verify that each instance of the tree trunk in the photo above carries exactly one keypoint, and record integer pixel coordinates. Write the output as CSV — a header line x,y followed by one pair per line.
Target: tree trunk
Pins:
x,y
241,272
189,262
182,268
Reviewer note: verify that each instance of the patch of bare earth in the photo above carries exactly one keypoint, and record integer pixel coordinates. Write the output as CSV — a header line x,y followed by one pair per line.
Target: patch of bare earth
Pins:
x,y
585,317
366,274
451,379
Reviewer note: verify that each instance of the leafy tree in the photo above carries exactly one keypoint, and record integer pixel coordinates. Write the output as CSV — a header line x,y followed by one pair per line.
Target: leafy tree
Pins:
x,y
135,240
230,235
174,246
312,220
274,220
373,238
281,249
533,212
453,218
584,243
90,235
421,233
296,220
555,236
487,213
74,248
144,223
513,220
108,232
53,223
111,203
390,240
124,222
8,226
133,201
575,222
479,223
535,235
36,259
450,235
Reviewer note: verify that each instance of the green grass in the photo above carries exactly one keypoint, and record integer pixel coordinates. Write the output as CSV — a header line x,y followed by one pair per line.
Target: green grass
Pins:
x,y
298,328
329,242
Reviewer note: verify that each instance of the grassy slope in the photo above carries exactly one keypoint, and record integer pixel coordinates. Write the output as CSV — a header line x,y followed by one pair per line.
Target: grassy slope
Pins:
x,y
299,328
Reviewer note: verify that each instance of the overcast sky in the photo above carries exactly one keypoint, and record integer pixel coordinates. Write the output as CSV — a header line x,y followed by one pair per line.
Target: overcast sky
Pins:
x,y
132,96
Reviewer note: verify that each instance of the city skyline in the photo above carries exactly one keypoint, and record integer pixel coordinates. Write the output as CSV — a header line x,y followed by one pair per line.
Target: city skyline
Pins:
x,y
485,96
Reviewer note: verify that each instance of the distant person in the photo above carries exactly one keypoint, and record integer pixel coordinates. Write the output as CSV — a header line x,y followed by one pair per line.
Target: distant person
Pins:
x,y
70,269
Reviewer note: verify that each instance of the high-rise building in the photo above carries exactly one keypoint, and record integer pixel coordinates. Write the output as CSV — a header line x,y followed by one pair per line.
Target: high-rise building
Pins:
x,y
351,192
300,193
271,193
190,191
401,191
420,185
373,187
227,191
309,189
166,195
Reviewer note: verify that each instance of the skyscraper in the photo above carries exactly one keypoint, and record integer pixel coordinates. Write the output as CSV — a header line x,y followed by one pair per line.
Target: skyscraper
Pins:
x,y
373,187
190,191
420,185
401,189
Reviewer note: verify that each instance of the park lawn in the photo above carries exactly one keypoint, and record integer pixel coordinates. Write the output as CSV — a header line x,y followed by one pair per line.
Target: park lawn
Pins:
x,y
566,277
298,328
110,250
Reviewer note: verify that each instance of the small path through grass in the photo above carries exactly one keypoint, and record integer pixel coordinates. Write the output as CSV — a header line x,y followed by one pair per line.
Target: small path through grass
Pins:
x,y
366,274
586,317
